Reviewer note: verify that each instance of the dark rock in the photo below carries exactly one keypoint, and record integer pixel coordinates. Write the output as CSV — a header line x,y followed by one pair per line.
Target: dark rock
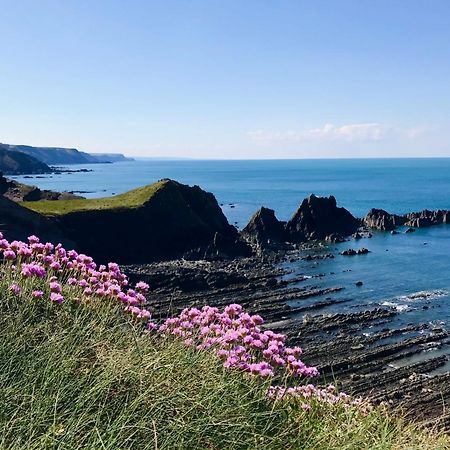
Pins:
x,y
359,283
380,219
349,252
19,192
335,238
410,230
427,218
352,252
394,232
264,228
177,220
319,217
17,223
226,247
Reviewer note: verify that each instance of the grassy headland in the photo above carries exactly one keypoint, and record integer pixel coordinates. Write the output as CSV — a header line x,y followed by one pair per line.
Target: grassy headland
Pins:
x,y
131,199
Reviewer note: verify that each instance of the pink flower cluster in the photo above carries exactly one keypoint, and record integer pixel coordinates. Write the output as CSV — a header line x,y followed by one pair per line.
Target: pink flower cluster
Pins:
x,y
238,340
46,271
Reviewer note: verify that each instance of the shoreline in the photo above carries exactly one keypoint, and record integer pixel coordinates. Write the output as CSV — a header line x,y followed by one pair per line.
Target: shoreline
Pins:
x,y
368,365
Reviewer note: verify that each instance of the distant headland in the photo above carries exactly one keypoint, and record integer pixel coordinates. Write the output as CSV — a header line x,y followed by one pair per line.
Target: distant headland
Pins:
x,y
26,159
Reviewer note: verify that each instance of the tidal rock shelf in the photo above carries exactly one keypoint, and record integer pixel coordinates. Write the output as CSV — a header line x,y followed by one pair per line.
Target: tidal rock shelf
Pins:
x,y
365,350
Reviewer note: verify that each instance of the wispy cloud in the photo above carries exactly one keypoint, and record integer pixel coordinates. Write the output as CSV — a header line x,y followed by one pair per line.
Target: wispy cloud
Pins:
x,y
356,132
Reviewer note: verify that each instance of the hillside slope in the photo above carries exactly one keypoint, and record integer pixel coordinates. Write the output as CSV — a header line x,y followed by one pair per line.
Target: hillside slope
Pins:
x,y
18,163
54,155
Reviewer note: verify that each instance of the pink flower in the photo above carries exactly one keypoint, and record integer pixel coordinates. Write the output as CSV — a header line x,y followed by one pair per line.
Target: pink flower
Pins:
x,y
55,287
37,294
56,298
16,289
142,287
9,255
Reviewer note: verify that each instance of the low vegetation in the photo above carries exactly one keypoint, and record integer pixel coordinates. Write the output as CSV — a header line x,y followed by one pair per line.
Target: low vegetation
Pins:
x,y
131,199
83,366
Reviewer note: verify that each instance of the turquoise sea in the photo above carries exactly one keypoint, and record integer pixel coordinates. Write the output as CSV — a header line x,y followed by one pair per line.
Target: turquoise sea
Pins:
x,y
405,271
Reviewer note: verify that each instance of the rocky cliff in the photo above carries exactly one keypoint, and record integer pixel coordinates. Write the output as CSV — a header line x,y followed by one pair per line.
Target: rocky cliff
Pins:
x,y
161,221
61,155
18,163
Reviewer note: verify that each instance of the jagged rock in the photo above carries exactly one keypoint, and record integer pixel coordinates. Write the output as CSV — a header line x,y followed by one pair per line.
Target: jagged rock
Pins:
x,y
352,252
380,219
427,218
349,252
264,228
319,217
226,247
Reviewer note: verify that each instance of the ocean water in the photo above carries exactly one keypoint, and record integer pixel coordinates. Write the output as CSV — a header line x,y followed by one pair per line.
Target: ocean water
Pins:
x,y
410,272
397,185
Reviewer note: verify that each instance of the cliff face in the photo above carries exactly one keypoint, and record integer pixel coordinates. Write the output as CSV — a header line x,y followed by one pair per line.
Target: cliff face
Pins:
x,y
61,155
172,220
18,163
53,155
17,222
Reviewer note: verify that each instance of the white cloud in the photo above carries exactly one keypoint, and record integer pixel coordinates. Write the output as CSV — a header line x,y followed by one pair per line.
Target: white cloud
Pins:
x,y
356,132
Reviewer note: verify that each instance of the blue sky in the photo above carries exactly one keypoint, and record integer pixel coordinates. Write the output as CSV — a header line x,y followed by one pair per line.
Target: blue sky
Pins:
x,y
228,79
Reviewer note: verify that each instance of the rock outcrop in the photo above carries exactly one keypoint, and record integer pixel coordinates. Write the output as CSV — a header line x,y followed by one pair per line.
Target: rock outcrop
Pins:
x,y
379,219
318,218
382,220
19,192
264,229
427,218
17,222
157,222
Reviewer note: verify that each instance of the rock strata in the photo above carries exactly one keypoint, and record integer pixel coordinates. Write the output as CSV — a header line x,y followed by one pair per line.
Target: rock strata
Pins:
x,y
382,220
379,219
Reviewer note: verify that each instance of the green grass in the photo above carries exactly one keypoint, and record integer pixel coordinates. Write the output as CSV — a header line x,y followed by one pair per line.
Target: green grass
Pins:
x,y
82,377
131,199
